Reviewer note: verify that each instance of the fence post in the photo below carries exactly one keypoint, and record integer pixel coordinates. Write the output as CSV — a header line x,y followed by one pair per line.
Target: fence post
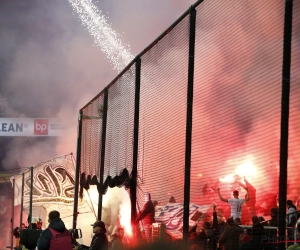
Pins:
x,y
30,201
77,171
22,201
13,214
284,132
133,183
102,160
189,116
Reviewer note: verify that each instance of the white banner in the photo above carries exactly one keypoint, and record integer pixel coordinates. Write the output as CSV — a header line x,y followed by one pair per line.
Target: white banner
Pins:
x,y
53,187
30,127
172,216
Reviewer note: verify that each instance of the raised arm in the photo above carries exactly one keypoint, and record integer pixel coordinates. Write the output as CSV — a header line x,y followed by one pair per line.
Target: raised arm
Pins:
x,y
215,218
241,184
247,195
220,196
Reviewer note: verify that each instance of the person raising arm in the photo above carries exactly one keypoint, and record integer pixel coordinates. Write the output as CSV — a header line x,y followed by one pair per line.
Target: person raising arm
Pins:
x,y
220,196
235,203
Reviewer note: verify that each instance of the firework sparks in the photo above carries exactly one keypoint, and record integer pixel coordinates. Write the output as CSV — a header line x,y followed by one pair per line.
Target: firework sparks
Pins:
x,y
104,36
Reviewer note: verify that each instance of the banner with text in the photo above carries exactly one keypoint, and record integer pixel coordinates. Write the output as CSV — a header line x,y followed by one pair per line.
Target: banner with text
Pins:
x,y
53,187
30,127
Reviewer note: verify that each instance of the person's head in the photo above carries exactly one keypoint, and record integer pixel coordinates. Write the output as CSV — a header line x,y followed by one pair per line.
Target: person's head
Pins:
x,y
289,203
230,221
120,232
39,223
155,203
255,220
235,194
53,215
274,212
172,200
237,221
220,212
147,197
98,226
207,217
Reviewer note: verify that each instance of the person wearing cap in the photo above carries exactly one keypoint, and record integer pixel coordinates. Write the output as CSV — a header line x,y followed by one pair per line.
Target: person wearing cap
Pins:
x,y
56,236
99,241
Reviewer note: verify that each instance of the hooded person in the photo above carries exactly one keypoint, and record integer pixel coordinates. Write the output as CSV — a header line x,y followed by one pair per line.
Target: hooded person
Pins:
x,y
99,241
146,215
56,236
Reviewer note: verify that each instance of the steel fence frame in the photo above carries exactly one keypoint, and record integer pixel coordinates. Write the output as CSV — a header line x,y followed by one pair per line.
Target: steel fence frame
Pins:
x,y
132,181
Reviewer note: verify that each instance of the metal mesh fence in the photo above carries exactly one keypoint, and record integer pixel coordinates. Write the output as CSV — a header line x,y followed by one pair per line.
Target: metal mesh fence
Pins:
x,y
237,98
162,116
294,127
91,138
119,132
236,126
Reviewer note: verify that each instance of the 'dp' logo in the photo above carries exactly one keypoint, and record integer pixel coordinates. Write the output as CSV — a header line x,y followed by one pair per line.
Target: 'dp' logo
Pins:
x,y
41,126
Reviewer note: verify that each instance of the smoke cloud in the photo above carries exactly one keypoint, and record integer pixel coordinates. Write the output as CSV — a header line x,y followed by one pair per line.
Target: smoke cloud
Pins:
x,y
50,68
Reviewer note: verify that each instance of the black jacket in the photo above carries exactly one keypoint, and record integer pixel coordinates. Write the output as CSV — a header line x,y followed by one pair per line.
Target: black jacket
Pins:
x,y
46,235
116,243
147,213
99,241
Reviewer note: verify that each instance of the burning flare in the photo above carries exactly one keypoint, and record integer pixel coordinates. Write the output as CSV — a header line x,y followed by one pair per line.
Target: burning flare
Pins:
x,y
244,169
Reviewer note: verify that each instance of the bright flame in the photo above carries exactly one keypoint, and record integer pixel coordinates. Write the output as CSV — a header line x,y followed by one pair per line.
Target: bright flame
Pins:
x,y
244,169
228,178
104,36
117,199
125,211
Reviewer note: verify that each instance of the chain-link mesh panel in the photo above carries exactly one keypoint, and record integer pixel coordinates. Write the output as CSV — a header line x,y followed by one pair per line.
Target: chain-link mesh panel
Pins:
x,y
91,138
162,128
119,132
236,111
293,188
237,101
6,197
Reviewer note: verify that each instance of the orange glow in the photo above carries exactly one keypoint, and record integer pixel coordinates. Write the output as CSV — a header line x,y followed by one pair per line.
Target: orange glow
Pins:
x,y
245,168
124,221
116,199
228,178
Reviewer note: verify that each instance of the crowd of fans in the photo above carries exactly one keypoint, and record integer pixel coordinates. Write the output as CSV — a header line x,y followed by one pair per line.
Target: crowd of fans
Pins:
x,y
210,233
231,235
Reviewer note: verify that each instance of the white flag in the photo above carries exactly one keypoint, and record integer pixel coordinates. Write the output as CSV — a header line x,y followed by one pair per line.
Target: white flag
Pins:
x,y
53,186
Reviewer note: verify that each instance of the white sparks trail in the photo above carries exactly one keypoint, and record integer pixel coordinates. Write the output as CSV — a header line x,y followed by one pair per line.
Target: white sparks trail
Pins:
x,y
104,36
